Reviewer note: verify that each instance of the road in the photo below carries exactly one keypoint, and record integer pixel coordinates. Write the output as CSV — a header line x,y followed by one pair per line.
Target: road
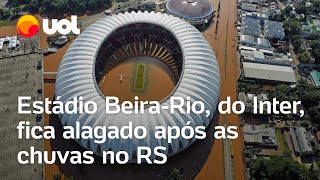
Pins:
x,y
226,158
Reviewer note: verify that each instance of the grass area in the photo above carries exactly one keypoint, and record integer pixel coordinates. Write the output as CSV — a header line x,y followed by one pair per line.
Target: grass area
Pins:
x,y
282,147
6,23
139,82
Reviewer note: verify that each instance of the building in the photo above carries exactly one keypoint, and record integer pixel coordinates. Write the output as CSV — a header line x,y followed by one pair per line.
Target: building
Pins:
x,y
252,41
300,141
197,12
273,30
248,99
95,52
258,135
258,56
11,42
248,7
315,78
260,16
250,26
267,73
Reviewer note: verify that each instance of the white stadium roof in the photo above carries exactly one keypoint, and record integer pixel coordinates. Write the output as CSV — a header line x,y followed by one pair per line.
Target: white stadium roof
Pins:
x,y
200,79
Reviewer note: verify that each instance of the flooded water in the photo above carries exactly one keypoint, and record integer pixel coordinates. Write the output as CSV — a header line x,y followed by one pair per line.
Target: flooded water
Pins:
x,y
120,81
8,31
224,45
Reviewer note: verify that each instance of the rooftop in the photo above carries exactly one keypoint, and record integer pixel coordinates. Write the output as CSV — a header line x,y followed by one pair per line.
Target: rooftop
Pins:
x,y
259,135
315,75
269,72
190,8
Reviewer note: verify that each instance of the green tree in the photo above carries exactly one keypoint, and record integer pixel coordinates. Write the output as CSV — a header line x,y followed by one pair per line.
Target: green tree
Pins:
x,y
292,27
279,168
304,57
34,5
301,9
296,42
316,7
315,45
175,174
313,36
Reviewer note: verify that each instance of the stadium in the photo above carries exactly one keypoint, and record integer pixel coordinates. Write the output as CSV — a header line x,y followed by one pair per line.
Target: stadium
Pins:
x,y
197,12
142,40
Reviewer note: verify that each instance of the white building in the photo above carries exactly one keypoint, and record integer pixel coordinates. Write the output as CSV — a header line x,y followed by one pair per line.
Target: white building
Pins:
x,y
269,73
252,41
199,80
12,42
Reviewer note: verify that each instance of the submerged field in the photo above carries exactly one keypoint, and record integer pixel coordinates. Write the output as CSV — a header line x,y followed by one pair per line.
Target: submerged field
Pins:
x,y
147,81
139,82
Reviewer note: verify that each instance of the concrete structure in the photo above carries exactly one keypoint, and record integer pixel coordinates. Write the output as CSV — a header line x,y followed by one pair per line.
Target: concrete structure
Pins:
x,y
252,41
248,99
197,12
260,16
300,141
18,77
12,42
259,135
94,52
273,30
250,26
258,56
248,7
268,73
315,78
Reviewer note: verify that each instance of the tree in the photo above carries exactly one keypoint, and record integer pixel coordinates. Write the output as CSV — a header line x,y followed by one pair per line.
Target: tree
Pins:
x,y
280,168
34,5
301,9
175,174
292,27
315,45
313,36
314,113
304,57
316,54
287,10
296,42
61,7
316,7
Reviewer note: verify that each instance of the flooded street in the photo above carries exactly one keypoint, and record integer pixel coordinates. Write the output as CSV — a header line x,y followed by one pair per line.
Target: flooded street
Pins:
x,y
8,31
224,45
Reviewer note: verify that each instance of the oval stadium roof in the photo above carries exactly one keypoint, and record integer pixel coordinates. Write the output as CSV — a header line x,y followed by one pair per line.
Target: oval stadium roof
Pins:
x,y
200,80
193,9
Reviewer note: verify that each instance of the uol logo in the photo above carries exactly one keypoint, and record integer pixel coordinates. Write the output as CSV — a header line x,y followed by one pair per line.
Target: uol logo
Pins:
x,y
28,26
63,26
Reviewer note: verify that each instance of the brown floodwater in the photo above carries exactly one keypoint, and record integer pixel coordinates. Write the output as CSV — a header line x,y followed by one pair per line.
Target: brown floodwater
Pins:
x,y
157,83
224,44
8,31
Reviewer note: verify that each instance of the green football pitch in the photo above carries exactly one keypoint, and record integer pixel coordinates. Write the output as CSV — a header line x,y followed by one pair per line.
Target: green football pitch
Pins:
x,y
139,81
